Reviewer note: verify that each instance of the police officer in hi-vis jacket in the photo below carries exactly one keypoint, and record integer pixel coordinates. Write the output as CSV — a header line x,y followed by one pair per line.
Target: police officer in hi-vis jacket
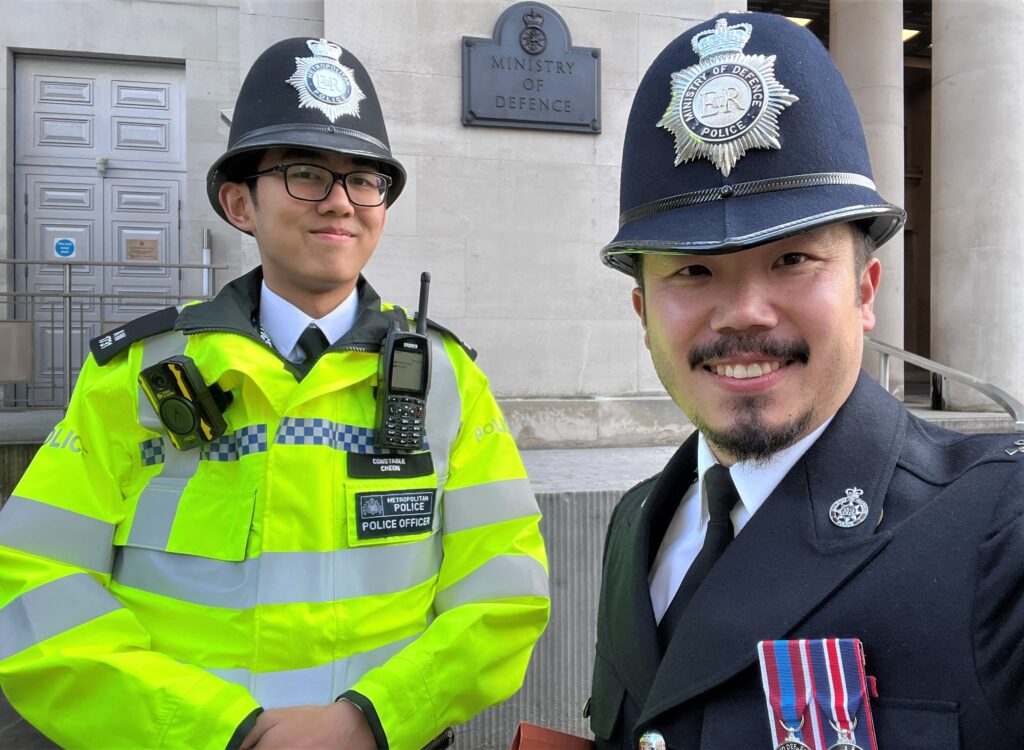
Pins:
x,y
263,535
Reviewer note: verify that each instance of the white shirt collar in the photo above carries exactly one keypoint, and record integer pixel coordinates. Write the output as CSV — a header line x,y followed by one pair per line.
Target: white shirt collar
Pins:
x,y
755,480
283,322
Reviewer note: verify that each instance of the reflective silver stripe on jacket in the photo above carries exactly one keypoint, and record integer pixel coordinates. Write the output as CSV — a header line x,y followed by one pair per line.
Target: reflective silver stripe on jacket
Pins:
x,y
313,685
52,609
57,534
484,504
444,407
499,578
280,577
158,503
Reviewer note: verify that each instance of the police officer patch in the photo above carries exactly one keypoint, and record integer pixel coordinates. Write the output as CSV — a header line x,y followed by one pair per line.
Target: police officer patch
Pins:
x,y
728,102
324,83
391,514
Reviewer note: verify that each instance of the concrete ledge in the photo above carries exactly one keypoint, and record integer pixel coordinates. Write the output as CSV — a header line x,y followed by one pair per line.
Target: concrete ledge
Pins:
x,y
602,422
27,426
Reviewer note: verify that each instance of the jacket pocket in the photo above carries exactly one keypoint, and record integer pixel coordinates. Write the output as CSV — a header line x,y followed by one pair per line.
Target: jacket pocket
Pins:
x,y
175,515
606,697
916,724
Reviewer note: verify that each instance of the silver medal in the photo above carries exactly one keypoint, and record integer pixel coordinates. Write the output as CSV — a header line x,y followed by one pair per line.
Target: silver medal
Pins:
x,y
845,739
791,742
849,511
728,102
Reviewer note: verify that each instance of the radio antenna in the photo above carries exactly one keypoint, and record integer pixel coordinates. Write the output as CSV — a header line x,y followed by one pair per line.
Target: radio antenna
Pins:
x,y
421,314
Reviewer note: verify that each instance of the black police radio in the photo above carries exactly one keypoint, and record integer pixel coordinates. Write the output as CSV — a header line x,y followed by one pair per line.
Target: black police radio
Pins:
x,y
189,408
403,379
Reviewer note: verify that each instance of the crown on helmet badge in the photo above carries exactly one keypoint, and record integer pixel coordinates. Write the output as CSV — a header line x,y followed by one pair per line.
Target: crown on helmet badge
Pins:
x,y
324,83
728,102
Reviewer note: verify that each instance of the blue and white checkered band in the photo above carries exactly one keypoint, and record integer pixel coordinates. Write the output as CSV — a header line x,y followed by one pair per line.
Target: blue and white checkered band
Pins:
x,y
324,83
342,437
242,442
728,102
152,451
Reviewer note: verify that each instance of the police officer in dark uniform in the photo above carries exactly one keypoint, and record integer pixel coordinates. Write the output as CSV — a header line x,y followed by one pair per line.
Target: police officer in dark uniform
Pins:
x,y
815,567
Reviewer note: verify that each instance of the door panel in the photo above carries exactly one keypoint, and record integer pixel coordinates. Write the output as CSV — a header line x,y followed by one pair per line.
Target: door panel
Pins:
x,y
100,159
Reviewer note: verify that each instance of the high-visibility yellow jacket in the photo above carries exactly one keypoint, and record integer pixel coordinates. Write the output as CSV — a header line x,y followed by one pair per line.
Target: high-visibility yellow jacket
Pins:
x,y
154,598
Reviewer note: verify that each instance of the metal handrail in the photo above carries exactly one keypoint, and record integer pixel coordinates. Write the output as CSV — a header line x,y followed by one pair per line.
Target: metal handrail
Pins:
x,y
67,292
1010,405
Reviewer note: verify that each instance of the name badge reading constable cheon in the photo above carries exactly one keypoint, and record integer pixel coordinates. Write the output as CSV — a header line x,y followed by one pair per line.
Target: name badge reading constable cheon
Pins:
x,y
382,466
389,514
728,102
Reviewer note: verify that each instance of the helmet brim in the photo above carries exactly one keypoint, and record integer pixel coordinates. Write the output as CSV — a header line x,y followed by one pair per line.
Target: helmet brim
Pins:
x,y
739,223
341,141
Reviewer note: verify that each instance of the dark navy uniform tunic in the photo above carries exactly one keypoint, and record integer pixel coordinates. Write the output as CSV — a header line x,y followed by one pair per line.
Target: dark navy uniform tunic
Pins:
x,y
932,582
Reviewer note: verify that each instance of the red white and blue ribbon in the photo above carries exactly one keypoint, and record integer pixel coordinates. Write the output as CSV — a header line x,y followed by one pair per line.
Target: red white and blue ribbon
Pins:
x,y
841,691
819,686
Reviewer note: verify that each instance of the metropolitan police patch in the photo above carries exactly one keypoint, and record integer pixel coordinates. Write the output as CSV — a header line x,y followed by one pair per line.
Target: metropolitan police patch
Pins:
x,y
324,83
728,102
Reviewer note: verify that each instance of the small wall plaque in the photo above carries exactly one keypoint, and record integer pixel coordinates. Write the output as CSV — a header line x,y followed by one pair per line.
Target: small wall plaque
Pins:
x,y
530,76
142,249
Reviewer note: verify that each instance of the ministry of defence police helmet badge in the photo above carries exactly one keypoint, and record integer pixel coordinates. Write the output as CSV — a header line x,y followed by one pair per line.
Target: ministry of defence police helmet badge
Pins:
x,y
849,511
728,102
324,83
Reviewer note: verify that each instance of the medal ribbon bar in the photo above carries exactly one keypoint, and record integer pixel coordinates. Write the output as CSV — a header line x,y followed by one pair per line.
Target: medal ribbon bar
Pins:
x,y
788,687
841,694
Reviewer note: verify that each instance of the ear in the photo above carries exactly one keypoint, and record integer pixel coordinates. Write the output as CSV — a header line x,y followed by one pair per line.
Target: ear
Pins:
x,y
638,308
869,280
237,204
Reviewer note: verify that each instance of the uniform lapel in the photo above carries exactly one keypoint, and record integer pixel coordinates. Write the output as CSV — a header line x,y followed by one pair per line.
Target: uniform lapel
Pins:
x,y
630,634
790,557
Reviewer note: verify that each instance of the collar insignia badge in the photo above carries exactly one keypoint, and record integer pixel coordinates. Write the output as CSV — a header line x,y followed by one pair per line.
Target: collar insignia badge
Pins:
x,y
728,102
1018,449
849,511
324,83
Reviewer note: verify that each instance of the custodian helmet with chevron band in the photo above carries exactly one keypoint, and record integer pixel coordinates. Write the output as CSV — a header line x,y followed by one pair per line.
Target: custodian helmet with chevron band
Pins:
x,y
307,93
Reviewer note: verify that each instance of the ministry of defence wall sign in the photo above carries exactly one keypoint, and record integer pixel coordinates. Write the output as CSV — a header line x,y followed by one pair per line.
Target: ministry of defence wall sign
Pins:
x,y
530,76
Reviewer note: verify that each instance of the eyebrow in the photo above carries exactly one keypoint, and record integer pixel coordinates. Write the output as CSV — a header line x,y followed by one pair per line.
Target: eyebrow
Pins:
x,y
305,153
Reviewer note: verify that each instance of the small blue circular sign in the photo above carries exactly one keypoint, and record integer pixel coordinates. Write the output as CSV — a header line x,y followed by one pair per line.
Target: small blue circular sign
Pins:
x,y
64,248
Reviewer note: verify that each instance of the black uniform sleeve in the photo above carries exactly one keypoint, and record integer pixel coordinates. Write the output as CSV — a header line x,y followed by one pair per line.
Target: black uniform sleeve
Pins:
x,y
999,609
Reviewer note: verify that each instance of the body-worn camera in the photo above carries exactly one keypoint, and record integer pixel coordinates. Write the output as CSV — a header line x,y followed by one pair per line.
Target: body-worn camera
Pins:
x,y
191,410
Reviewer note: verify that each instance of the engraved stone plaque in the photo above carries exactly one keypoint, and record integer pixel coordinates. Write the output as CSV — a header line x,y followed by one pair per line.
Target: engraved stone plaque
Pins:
x,y
530,76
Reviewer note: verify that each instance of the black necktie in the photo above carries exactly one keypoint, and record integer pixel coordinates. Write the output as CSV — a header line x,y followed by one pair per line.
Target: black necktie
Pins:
x,y
313,343
722,496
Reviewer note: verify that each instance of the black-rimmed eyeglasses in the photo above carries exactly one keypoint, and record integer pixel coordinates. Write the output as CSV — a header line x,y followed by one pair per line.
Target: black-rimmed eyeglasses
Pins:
x,y
309,182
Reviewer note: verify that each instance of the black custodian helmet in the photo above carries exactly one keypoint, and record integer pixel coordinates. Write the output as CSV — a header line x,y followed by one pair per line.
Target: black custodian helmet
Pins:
x,y
742,132
307,93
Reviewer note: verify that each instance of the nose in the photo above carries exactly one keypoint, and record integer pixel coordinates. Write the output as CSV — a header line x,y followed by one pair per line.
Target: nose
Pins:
x,y
745,306
336,201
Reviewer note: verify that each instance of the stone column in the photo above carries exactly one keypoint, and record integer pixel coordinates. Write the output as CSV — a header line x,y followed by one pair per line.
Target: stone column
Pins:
x,y
866,41
977,160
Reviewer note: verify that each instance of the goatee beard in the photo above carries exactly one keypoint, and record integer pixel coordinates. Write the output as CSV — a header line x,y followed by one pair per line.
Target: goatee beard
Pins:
x,y
749,437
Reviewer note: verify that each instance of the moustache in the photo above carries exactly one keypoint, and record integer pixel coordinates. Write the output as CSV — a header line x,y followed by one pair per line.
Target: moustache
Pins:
x,y
766,345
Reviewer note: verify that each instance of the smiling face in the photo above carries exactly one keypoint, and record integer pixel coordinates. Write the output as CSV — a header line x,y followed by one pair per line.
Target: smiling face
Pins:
x,y
312,252
759,347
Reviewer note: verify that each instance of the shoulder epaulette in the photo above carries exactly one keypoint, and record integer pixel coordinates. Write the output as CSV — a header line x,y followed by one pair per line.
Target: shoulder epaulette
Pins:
x,y
104,348
444,329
